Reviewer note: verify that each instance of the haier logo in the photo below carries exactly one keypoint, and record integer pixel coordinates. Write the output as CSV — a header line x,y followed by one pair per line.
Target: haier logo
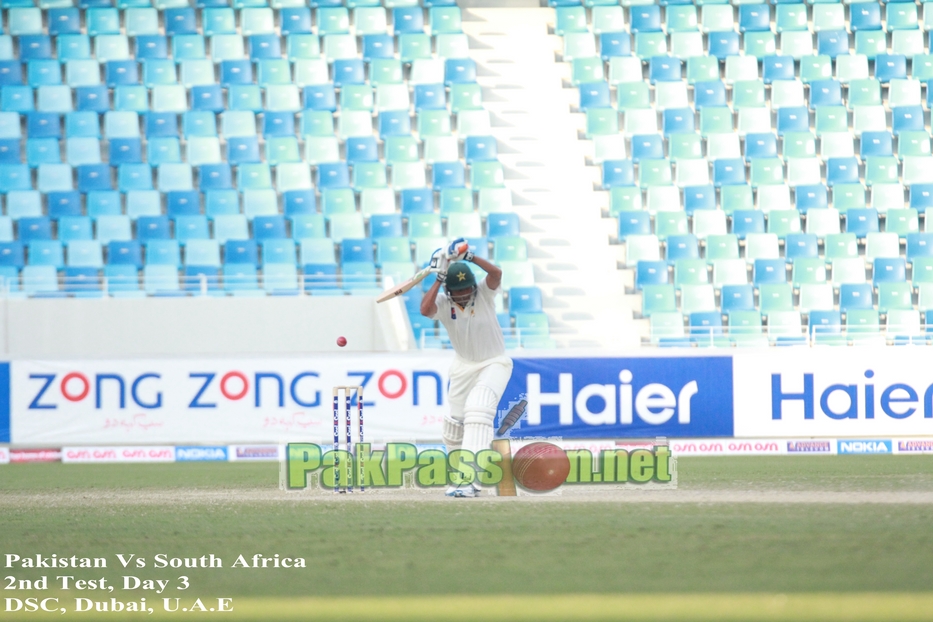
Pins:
x,y
200,454
640,397
654,404
865,447
848,401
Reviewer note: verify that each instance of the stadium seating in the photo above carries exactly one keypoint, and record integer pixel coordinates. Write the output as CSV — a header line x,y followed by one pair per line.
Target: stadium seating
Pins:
x,y
796,168
247,150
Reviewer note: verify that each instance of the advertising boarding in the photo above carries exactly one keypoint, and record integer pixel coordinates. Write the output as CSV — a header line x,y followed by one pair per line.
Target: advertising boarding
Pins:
x,y
775,400
223,401
857,393
632,397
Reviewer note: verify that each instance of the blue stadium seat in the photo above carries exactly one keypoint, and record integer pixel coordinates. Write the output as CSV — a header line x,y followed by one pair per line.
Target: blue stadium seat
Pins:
x,y
760,146
907,119
502,224
664,69
241,252
215,177
394,123
728,172
645,19
191,228
180,21
480,149
417,201
811,197
151,46
841,171
793,119
278,251
709,93
855,296
362,149
198,278
349,71
333,175
430,97
754,17
524,300
647,146
125,151
125,253
919,245
777,68
299,202
208,97
356,250
705,327
699,198
651,273
153,228
320,97
769,271
183,203
163,253
683,246
378,46
407,20
264,46
861,221
678,121
448,175
876,144
801,245
738,298
12,254
385,226
64,21
614,44
63,204
832,43
234,72
269,227
889,270
634,222
618,173
747,221
34,228
81,281
278,124
865,16
890,67
824,323
723,44
825,93
921,196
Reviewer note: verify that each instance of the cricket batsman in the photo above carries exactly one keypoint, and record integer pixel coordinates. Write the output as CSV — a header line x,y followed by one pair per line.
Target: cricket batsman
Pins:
x,y
480,370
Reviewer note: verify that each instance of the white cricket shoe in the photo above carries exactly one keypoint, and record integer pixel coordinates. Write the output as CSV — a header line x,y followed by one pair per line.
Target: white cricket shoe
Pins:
x,y
464,491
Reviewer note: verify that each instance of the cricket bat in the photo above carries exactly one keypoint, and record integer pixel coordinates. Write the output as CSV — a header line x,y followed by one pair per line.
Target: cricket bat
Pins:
x,y
389,294
420,275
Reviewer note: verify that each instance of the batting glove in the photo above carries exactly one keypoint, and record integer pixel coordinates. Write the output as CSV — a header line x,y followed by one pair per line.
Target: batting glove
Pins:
x,y
439,261
459,251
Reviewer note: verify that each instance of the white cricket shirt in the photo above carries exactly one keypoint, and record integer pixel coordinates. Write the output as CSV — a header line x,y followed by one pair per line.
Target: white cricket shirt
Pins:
x,y
474,332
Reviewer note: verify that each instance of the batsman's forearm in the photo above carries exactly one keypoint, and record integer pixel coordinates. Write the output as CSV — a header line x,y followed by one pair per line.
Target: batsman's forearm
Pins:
x,y
428,302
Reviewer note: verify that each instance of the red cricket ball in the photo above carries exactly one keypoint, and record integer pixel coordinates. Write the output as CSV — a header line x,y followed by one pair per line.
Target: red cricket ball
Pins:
x,y
341,341
540,466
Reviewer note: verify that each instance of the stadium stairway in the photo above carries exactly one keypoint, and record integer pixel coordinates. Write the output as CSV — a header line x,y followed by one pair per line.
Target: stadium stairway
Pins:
x,y
545,170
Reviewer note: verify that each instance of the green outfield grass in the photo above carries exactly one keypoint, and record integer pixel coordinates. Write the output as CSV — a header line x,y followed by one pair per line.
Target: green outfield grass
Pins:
x,y
721,560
